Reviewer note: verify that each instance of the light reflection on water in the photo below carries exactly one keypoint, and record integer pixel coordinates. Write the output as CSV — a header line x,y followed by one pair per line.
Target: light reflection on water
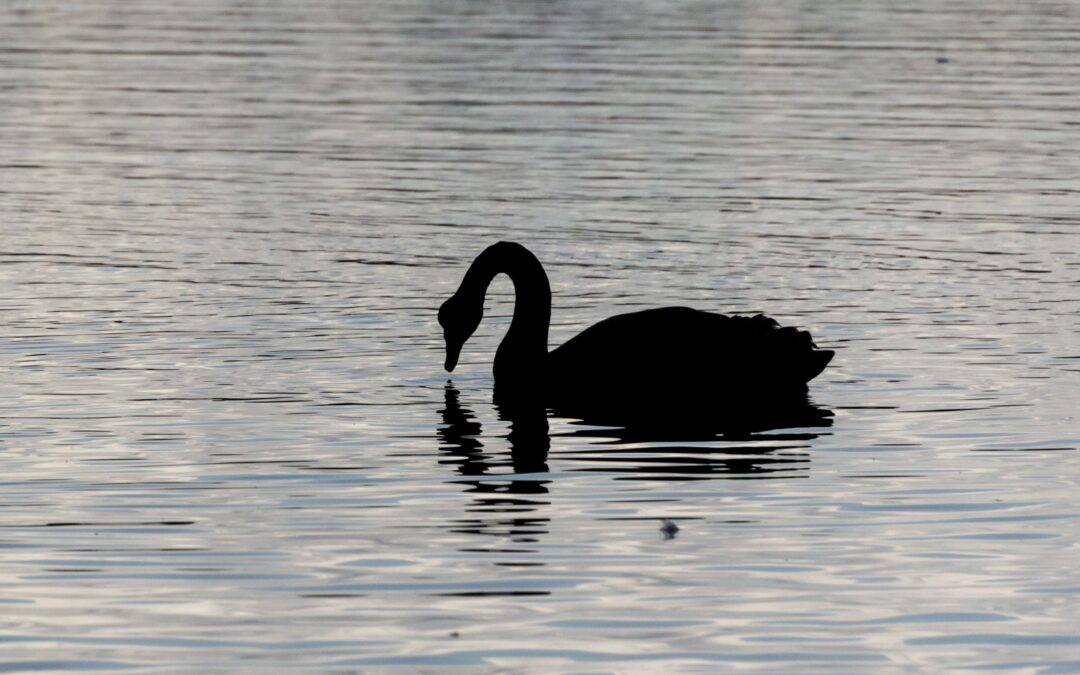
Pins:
x,y
226,438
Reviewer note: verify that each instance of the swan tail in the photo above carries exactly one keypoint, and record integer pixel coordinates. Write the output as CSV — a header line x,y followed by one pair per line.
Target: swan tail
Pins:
x,y
799,350
818,359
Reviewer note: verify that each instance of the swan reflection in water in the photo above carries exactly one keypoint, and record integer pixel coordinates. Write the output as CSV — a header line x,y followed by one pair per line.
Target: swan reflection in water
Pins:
x,y
509,486
648,448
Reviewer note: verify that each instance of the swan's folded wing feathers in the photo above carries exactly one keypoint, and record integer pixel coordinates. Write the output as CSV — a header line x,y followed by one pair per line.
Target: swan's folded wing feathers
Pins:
x,y
668,344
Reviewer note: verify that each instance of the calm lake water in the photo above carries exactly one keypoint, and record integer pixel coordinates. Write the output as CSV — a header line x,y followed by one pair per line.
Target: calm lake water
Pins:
x,y
226,437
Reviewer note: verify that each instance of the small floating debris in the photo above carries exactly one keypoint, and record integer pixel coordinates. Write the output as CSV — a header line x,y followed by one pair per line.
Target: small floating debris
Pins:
x,y
668,528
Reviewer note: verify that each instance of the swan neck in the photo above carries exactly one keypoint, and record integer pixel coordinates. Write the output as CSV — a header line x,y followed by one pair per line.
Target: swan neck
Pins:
x,y
526,340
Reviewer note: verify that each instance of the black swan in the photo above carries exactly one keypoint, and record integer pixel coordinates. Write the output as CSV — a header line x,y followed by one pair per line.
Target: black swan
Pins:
x,y
672,357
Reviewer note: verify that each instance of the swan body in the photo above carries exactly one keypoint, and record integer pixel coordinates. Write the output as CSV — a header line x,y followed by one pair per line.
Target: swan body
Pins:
x,y
672,356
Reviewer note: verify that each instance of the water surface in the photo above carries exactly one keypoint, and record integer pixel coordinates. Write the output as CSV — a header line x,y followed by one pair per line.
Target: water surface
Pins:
x,y
226,440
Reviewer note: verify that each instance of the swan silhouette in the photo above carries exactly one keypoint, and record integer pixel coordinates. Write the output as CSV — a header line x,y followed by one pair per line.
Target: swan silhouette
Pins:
x,y
670,358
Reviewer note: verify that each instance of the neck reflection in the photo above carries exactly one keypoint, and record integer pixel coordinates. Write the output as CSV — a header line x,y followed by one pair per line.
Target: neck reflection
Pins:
x,y
504,503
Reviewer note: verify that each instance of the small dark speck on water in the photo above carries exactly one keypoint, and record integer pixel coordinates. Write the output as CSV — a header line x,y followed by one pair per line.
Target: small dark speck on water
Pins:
x,y
668,528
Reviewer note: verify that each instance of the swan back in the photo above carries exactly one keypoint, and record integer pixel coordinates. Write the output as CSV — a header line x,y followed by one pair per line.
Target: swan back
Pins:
x,y
685,355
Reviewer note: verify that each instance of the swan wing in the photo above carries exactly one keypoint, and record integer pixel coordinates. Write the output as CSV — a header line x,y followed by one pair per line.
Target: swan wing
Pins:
x,y
686,348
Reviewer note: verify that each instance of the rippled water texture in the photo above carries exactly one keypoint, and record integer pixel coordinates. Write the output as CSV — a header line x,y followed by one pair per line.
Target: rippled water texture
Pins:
x,y
226,439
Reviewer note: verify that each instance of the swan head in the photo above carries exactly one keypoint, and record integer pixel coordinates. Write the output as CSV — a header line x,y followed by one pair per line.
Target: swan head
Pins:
x,y
459,320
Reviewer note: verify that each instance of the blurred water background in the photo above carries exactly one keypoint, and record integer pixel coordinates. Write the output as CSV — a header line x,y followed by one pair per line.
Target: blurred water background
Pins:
x,y
226,439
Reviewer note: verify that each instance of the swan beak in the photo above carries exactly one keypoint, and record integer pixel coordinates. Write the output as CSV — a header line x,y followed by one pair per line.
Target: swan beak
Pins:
x,y
453,350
